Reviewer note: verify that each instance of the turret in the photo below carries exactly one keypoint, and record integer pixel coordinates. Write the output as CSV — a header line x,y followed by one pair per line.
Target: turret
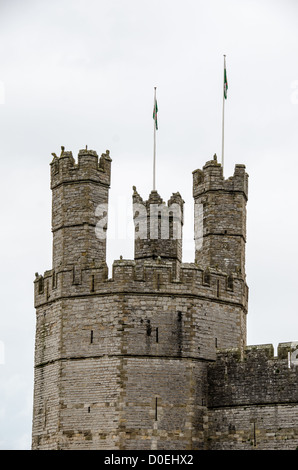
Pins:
x,y
220,218
158,227
79,203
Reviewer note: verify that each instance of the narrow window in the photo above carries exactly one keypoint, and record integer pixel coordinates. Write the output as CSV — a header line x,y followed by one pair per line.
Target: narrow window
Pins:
x,y
91,337
171,225
216,342
217,288
45,414
155,408
53,280
254,436
179,316
206,278
230,283
92,283
156,334
148,328
88,409
158,281
159,225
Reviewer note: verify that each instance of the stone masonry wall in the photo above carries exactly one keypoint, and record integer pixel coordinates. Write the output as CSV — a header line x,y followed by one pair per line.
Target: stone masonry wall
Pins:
x,y
252,399
206,309
151,336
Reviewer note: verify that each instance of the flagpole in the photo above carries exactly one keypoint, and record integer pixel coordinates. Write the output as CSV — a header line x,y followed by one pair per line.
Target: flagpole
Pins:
x,y
223,116
154,145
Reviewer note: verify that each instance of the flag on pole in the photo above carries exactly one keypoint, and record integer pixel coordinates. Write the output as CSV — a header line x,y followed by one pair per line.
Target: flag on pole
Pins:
x,y
155,110
225,81
225,94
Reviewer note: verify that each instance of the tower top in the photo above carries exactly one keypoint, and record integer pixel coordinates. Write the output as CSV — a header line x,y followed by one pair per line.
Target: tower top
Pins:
x,y
64,168
211,178
158,226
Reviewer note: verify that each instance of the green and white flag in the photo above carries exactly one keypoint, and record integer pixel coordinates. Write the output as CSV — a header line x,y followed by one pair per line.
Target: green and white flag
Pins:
x,y
225,82
155,110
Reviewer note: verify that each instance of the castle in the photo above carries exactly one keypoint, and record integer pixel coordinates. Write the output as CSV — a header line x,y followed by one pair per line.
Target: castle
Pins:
x,y
155,355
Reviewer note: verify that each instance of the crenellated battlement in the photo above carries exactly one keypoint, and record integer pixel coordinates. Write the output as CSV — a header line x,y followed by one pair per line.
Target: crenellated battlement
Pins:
x,y
285,351
158,226
89,167
155,198
211,178
254,376
156,277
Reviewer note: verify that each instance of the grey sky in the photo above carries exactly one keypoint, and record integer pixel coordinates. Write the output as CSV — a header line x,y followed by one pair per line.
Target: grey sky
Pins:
x,y
82,72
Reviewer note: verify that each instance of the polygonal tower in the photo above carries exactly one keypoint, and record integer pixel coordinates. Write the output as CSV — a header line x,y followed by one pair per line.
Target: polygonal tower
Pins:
x,y
220,206
121,361
158,228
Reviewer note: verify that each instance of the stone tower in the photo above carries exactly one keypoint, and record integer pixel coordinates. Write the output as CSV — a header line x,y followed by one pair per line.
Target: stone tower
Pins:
x,y
221,242
121,362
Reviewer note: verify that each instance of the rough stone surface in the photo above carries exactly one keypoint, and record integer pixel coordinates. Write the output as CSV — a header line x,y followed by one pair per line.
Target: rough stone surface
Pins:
x,y
153,356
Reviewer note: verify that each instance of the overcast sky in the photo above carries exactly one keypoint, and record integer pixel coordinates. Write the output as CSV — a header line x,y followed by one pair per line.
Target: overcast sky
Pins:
x,y
82,72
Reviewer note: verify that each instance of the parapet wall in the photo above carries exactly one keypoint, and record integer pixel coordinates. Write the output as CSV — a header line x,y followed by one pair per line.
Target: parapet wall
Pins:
x,y
149,276
158,226
211,179
89,166
252,399
255,377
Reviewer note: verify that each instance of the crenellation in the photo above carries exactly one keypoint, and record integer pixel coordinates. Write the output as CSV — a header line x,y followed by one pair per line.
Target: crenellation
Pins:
x,y
158,226
151,276
288,351
259,351
123,270
65,169
211,179
240,179
253,387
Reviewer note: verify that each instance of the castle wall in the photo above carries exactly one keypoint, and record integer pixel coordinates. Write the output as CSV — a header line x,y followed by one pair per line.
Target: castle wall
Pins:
x,y
260,427
164,403
89,403
252,399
